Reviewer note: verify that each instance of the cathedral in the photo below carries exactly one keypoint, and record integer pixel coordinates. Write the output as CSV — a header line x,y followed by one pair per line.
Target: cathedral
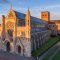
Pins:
x,y
22,33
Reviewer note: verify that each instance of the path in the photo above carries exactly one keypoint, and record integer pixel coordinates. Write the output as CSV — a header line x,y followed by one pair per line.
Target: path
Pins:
x,y
42,57
12,56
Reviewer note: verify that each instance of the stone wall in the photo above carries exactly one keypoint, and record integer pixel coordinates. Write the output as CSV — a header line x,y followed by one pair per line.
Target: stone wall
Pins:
x,y
27,44
38,39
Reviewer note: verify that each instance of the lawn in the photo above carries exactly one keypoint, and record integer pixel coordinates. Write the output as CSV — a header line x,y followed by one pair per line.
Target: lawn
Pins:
x,y
51,52
57,56
48,44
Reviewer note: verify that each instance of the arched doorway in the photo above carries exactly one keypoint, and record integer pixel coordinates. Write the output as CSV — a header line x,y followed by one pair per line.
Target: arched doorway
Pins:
x,y
19,49
8,46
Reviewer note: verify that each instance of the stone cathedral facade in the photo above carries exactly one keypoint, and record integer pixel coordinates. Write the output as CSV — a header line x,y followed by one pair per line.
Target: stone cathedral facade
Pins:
x,y
22,33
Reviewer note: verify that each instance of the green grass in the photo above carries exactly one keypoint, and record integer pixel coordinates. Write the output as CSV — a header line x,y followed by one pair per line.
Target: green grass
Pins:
x,y
49,43
50,53
57,56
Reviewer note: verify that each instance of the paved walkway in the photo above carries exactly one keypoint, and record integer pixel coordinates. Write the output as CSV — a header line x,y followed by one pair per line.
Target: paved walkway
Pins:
x,y
2,58
10,56
42,57
54,54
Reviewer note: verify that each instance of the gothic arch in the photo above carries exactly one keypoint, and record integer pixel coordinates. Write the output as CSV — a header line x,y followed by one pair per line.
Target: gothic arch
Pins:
x,y
18,48
7,45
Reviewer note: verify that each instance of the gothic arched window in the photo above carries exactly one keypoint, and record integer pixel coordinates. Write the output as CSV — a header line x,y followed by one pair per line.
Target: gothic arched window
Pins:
x,y
9,25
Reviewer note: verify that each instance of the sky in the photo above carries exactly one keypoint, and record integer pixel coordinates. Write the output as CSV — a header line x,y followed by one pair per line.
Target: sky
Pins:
x,y
35,6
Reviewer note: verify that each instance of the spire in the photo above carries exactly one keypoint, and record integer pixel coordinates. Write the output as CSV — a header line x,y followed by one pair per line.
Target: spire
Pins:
x,y
28,14
28,11
11,6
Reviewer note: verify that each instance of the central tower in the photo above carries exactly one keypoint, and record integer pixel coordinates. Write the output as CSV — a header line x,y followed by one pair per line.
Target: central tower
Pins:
x,y
45,16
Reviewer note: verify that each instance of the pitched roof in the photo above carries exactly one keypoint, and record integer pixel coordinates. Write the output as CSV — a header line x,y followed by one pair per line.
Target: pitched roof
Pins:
x,y
34,19
19,15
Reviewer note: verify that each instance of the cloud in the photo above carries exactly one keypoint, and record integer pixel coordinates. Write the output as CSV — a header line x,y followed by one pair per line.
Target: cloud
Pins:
x,y
35,10
52,6
41,8
55,15
53,9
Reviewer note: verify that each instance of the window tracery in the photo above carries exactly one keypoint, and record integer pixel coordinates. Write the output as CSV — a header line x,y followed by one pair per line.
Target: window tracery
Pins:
x,y
9,25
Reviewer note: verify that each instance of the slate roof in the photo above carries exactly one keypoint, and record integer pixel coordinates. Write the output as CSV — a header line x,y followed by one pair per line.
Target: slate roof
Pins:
x,y
34,19
20,15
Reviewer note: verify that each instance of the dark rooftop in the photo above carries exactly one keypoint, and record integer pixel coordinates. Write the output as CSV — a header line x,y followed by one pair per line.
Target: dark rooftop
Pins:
x,y
34,19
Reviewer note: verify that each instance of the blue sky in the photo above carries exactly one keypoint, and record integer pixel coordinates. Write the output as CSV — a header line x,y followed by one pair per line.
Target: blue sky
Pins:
x,y
36,6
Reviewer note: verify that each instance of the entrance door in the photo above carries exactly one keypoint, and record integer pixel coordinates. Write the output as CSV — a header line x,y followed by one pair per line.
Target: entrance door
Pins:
x,y
19,49
8,46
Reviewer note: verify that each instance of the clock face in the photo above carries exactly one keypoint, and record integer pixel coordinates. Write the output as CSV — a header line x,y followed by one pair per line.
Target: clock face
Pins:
x,y
9,25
